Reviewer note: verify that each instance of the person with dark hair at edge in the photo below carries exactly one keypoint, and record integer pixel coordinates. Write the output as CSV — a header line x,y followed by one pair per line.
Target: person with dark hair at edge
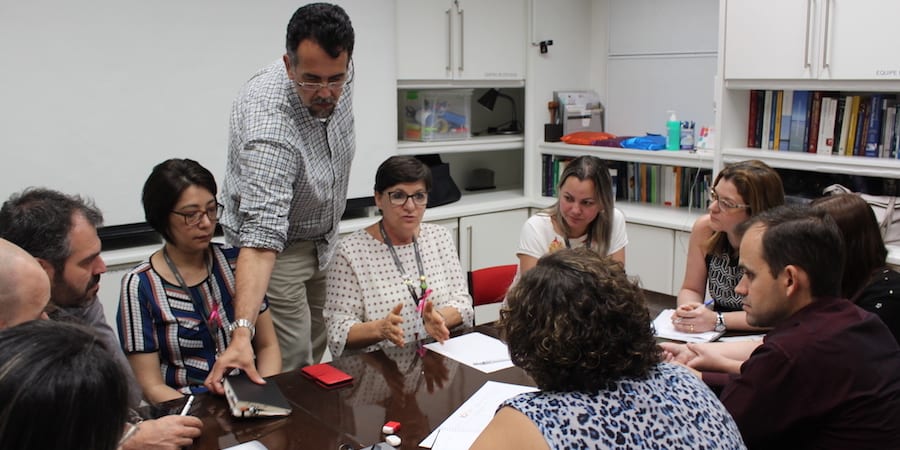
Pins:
x,y
291,145
60,231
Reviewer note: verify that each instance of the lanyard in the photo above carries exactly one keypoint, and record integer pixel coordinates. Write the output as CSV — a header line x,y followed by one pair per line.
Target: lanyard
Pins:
x,y
212,319
423,286
587,242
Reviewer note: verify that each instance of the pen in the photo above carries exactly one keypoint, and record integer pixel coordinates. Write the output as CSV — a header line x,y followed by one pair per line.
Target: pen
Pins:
x,y
709,302
490,361
187,406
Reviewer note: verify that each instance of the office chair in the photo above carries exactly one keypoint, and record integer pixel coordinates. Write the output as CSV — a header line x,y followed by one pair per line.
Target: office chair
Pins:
x,y
488,288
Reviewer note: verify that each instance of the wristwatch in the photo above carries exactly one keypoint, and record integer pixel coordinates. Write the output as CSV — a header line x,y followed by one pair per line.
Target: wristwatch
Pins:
x,y
242,323
720,322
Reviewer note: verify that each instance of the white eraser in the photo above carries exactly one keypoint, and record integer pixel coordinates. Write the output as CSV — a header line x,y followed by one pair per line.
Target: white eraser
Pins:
x,y
393,440
387,430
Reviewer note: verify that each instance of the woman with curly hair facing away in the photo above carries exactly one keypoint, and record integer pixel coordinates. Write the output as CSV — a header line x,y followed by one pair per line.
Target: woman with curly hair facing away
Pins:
x,y
579,327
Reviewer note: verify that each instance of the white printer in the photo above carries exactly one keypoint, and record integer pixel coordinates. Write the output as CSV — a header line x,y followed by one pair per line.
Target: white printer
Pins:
x,y
580,111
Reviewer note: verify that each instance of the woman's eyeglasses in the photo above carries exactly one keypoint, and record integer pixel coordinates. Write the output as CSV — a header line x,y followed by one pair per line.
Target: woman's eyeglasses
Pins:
x,y
194,217
399,198
725,204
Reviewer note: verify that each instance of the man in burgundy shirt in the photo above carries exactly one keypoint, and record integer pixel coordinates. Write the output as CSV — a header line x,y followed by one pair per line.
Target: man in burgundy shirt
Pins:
x,y
827,376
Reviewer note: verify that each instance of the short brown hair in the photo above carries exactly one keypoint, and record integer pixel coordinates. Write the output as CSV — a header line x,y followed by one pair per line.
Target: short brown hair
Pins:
x,y
577,323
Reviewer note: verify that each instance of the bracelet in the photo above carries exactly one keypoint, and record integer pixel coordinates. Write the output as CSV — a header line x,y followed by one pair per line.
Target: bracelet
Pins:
x,y
242,323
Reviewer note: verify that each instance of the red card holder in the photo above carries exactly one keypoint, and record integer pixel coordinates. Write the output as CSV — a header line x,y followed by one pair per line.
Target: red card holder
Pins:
x,y
327,376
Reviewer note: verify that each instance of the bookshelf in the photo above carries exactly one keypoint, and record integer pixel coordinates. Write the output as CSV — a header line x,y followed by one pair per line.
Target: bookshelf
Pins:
x,y
815,46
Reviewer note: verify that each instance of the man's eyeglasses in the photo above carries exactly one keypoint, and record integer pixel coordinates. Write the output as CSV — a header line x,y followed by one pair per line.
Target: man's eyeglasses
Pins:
x,y
399,198
194,217
727,205
333,86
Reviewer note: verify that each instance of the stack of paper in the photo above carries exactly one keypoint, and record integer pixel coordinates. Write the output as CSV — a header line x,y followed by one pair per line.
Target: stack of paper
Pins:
x,y
476,350
664,328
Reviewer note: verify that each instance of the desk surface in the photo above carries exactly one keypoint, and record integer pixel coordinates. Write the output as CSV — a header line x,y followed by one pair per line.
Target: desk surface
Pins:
x,y
396,384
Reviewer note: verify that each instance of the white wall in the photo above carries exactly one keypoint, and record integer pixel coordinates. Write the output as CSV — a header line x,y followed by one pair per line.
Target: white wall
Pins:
x,y
94,93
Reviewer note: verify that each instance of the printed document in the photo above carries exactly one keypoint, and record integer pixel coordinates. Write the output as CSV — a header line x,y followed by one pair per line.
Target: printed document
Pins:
x,y
662,327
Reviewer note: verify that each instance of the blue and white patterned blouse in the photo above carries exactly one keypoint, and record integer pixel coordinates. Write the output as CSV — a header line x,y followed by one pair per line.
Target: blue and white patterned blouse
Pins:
x,y
670,409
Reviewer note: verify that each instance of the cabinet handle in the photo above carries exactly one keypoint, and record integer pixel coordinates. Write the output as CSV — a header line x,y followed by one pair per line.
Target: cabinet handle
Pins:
x,y
806,62
825,43
449,42
462,36
469,234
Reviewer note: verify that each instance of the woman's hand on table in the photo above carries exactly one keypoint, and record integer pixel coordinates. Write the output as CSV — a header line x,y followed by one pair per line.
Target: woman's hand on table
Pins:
x,y
694,318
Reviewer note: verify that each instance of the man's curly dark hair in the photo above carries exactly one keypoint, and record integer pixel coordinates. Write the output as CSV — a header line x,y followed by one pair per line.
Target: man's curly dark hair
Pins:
x,y
576,323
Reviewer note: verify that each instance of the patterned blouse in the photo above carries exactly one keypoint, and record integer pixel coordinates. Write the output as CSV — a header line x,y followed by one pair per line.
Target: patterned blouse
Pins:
x,y
670,409
364,284
158,316
723,275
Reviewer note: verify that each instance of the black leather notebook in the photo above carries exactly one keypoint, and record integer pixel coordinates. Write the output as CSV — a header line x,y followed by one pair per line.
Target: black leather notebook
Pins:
x,y
248,399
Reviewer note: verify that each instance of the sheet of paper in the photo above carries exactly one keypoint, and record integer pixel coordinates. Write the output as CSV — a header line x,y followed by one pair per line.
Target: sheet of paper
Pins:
x,y
468,421
252,445
476,350
663,328
746,337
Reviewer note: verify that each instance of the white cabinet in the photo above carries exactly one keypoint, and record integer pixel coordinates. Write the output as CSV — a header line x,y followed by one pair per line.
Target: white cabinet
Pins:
x,y
461,40
811,39
487,240
649,256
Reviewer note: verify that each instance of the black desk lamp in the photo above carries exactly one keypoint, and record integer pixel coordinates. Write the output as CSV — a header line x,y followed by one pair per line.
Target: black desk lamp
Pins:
x,y
489,99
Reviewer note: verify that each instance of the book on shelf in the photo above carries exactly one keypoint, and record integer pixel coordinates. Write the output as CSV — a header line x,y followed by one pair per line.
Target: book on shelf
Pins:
x,y
799,121
873,128
766,120
777,107
840,129
862,125
825,138
787,102
887,129
814,117
853,101
753,120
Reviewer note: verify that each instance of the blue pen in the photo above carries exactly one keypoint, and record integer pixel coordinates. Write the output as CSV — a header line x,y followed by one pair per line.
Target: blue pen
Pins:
x,y
709,302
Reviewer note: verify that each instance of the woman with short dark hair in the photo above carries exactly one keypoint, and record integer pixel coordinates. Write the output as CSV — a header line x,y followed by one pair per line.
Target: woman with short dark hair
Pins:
x,y
398,280
175,310
580,329
59,388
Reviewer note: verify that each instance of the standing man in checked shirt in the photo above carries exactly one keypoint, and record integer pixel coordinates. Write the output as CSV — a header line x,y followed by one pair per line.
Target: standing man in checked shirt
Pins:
x,y
292,142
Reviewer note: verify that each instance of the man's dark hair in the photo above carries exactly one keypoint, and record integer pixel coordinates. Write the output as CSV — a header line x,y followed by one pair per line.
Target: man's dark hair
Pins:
x,y
164,186
804,237
325,24
39,221
401,169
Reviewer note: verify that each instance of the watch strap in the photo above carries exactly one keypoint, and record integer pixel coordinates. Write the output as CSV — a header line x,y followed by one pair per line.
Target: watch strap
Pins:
x,y
245,324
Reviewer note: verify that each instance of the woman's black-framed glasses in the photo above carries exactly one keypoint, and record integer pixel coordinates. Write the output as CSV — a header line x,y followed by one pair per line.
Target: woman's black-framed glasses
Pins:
x,y
194,217
399,198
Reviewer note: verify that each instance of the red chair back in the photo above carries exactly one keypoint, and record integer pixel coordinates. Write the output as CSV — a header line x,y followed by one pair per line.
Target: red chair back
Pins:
x,y
489,285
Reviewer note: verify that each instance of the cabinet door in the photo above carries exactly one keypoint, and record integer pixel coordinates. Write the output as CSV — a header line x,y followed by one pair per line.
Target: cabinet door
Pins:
x,y
769,39
649,256
860,40
491,41
488,240
424,39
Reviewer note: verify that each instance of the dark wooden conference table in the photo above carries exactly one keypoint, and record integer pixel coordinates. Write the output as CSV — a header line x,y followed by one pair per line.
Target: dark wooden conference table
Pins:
x,y
395,384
